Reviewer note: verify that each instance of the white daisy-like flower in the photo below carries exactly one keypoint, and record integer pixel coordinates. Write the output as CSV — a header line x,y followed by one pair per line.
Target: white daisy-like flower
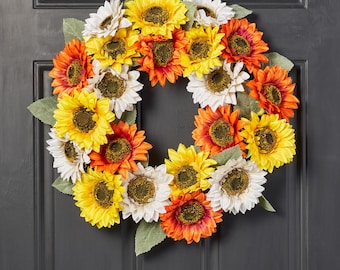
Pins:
x,y
146,193
108,19
212,12
236,186
69,158
120,87
219,87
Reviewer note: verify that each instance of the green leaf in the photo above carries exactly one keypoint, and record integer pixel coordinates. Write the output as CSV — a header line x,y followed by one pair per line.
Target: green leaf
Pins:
x,y
280,60
265,204
43,109
230,153
148,235
240,12
246,104
63,186
191,7
129,116
72,28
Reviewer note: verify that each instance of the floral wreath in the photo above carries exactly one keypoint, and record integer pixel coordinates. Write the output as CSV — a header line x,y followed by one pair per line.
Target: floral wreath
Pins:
x,y
242,129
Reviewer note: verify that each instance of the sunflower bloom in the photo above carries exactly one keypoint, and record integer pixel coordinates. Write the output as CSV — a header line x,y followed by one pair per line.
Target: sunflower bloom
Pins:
x,y
161,56
71,68
270,141
190,169
190,217
203,51
98,195
275,91
243,42
156,17
125,146
219,130
85,118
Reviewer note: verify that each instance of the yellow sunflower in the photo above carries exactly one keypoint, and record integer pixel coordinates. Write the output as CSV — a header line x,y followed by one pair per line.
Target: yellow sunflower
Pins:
x,y
271,141
114,51
190,169
98,195
156,17
203,52
85,119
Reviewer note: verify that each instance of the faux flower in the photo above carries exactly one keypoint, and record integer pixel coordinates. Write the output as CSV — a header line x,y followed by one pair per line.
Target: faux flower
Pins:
x,y
236,186
69,158
98,195
219,130
203,51
146,193
156,17
161,56
120,87
190,169
270,141
84,118
123,148
108,19
71,68
243,43
275,91
219,86
190,217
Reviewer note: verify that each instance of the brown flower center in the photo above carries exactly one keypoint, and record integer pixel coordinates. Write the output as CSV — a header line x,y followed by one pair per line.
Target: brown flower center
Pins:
x,y
156,15
103,195
186,177
70,151
163,52
239,45
114,48
117,150
235,182
219,133
273,94
199,49
191,212
208,11
218,80
106,22
82,119
265,140
141,190
73,73
111,86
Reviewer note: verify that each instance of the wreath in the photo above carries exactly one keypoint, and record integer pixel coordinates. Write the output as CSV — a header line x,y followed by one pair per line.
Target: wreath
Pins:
x,y
242,132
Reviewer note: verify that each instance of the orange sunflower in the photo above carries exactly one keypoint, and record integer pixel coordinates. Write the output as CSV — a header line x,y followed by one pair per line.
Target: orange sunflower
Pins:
x,y
243,42
124,147
71,68
161,56
190,217
275,91
219,130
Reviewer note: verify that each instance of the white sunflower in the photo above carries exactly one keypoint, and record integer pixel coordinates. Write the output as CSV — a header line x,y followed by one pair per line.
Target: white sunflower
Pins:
x,y
219,87
69,158
212,12
146,193
236,186
120,87
108,19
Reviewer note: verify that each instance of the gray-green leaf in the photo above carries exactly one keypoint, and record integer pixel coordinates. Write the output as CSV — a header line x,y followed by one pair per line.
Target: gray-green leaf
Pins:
x,y
191,10
230,153
72,28
280,60
43,109
246,104
240,12
129,116
63,186
265,204
148,235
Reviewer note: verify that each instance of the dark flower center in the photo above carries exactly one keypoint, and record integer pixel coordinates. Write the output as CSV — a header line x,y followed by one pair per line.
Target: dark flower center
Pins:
x,y
106,22
186,177
219,133
265,140
70,151
199,49
103,195
111,86
208,11
82,119
191,212
117,149
239,45
163,52
218,80
273,94
141,190
73,73
235,182
156,15
114,48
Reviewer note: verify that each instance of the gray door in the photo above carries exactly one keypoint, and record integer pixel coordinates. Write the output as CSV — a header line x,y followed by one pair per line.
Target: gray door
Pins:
x,y
40,229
